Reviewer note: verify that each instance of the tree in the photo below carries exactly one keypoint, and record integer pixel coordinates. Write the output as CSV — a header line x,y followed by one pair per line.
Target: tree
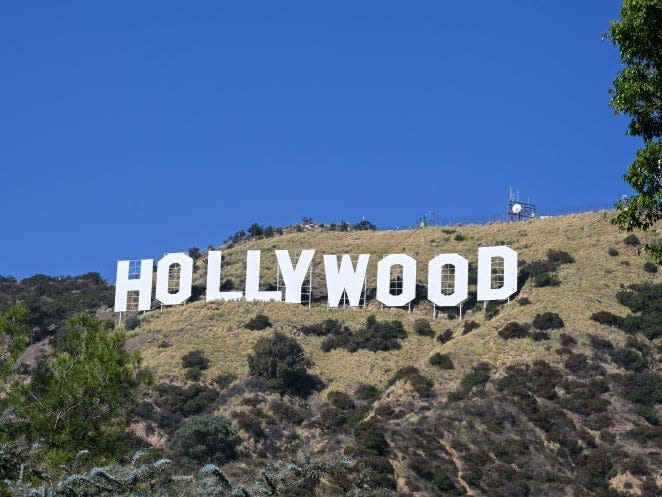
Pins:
x,y
637,92
281,361
13,339
80,395
206,439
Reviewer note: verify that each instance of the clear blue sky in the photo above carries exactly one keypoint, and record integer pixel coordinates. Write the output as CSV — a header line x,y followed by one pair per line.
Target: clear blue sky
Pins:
x,y
130,129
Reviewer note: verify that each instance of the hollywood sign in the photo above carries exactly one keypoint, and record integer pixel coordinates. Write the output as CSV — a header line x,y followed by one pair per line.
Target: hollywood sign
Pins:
x,y
343,278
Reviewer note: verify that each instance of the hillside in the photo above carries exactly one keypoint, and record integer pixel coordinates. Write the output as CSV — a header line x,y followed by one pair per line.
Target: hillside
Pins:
x,y
546,412
557,392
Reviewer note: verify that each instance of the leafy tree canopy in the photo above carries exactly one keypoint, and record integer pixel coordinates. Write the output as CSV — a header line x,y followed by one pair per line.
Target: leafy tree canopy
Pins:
x,y
637,92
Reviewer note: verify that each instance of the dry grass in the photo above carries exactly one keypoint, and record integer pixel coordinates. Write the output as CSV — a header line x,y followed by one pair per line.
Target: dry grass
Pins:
x,y
587,286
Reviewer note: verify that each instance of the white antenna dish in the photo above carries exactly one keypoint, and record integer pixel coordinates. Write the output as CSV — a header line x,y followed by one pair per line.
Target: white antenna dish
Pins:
x,y
517,208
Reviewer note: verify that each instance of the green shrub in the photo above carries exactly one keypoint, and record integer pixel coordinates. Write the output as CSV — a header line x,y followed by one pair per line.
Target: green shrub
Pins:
x,y
446,336
606,318
524,301
469,326
259,322
206,439
326,327
366,392
559,256
546,279
567,340
281,361
403,373
650,267
195,359
459,237
422,385
340,400
538,336
375,336
478,376
442,361
514,330
612,252
643,388
548,321
131,323
631,240
423,328
193,374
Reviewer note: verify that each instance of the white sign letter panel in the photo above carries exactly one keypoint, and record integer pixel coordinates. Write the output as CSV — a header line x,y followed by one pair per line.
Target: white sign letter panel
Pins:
x,y
214,279
253,280
345,279
143,285
293,278
485,290
460,285
185,278
384,266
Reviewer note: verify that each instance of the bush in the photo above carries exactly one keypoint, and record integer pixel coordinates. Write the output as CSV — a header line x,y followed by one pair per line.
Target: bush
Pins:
x,y
422,385
546,279
375,336
131,323
606,318
281,361
340,400
195,359
325,328
650,267
259,322
524,301
442,361
478,376
446,336
514,330
366,392
459,237
548,321
469,326
423,328
643,388
612,252
206,439
559,256
193,374
631,240
567,340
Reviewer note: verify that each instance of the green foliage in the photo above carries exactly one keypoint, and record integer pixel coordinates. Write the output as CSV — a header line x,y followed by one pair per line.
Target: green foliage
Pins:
x,y
650,267
469,326
479,375
281,361
195,359
632,240
548,321
637,92
546,279
325,328
445,336
459,237
514,330
643,388
646,302
442,361
259,322
612,252
423,328
374,336
82,394
51,300
131,323
206,439
607,318
13,340
559,256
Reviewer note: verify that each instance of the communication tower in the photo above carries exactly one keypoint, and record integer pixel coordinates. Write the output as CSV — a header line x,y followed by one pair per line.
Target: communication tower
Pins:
x,y
518,210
